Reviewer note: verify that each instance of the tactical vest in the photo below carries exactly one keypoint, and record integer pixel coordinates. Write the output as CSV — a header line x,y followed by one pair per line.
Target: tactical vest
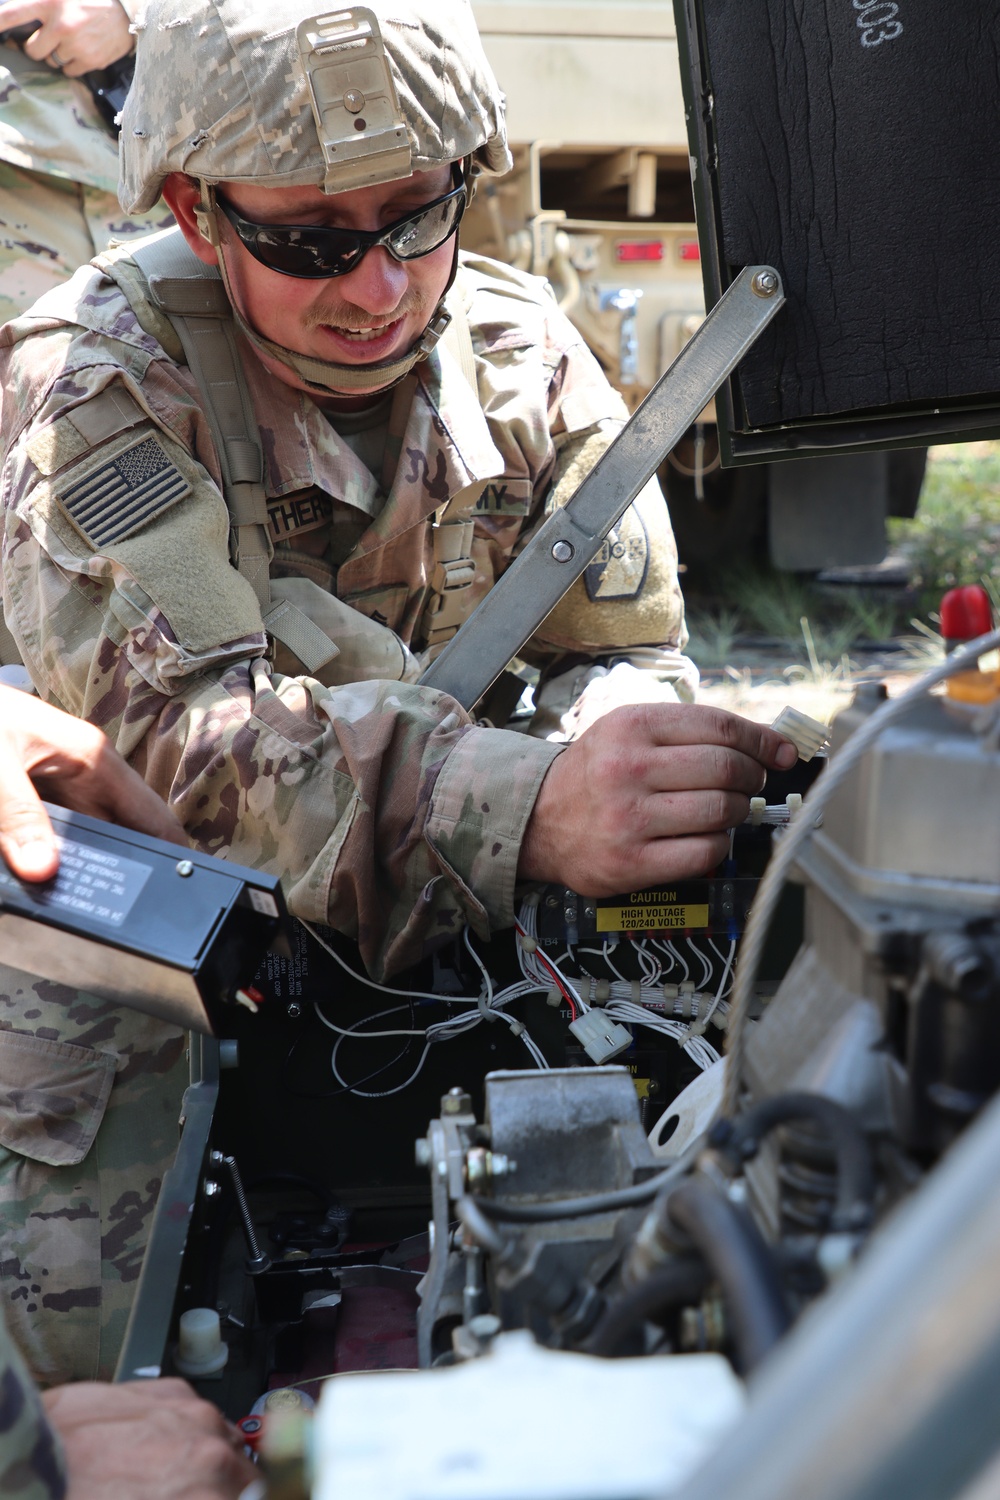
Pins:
x,y
181,302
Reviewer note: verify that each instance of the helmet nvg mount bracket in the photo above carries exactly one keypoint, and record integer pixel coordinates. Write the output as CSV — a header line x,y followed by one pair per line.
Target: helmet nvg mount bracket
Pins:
x,y
360,125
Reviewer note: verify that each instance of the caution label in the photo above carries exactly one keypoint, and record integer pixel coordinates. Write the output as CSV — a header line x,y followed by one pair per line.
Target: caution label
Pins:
x,y
650,918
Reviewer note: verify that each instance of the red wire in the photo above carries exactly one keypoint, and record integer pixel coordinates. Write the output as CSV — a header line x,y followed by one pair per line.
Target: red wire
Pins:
x,y
553,974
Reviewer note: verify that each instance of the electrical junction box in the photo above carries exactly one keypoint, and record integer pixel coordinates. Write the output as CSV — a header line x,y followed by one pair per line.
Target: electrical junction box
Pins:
x,y
144,923
849,144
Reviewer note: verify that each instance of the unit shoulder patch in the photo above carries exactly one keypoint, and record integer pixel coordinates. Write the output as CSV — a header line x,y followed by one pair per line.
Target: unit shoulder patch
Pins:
x,y
620,567
122,491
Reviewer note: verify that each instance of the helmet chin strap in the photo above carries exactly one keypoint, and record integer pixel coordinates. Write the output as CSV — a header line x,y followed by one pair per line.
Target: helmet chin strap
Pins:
x,y
323,377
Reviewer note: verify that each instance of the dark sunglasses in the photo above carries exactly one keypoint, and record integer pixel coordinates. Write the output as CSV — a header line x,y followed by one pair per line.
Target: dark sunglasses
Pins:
x,y
315,252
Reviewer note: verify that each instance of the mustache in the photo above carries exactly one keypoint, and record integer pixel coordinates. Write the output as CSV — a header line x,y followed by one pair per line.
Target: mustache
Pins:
x,y
347,316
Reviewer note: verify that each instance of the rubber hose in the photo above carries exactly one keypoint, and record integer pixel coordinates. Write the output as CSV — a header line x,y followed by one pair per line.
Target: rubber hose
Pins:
x,y
675,1285
855,1172
740,1261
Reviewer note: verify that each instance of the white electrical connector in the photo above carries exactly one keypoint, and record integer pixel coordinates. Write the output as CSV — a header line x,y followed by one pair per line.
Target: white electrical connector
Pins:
x,y
807,735
600,1037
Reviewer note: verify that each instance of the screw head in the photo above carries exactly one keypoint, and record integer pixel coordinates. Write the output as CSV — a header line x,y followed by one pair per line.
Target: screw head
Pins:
x,y
185,867
765,284
293,1010
563,551
354,101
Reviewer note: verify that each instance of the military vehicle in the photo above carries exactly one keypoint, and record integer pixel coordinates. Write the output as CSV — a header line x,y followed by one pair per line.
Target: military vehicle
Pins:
x,y
600,202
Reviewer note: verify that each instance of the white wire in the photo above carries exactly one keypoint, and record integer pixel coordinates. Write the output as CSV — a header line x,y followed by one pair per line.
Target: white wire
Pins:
x,y
651,969
722,985
722,956
679,957
706,966
373,984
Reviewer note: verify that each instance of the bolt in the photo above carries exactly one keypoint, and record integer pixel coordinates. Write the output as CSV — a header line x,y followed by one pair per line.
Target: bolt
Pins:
x,y
456,1102
293,1010
216,1158
501,1165
354,101
563,551
185,867
422,1152
765,284
211,1189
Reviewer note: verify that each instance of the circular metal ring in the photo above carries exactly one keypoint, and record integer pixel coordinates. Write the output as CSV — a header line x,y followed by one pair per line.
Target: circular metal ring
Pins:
x,y
56,60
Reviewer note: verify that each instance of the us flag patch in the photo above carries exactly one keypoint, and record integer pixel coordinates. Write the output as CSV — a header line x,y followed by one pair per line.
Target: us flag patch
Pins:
x,y
125,493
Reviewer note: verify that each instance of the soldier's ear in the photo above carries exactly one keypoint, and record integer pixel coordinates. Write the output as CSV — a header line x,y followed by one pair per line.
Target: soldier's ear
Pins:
x,y
195,218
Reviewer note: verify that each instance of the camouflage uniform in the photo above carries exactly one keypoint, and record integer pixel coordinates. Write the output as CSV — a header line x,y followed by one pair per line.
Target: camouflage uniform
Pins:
x,y
58,180
31,1466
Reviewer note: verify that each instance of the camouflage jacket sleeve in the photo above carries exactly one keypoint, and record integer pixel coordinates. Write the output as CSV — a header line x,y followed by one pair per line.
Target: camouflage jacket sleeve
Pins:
x,y
31,1466
384,810
627,610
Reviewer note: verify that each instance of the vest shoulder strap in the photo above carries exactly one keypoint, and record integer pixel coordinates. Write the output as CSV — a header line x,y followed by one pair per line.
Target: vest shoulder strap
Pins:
x,y
167,278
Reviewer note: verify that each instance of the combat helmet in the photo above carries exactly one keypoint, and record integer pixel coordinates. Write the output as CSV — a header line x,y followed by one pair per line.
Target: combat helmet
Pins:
x,y
275,94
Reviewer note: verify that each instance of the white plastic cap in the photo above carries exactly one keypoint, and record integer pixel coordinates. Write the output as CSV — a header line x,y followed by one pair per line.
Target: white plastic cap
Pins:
x,y
200,1349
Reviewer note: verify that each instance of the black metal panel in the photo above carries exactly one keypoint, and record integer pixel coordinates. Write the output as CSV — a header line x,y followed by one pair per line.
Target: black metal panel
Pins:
x,y
850,144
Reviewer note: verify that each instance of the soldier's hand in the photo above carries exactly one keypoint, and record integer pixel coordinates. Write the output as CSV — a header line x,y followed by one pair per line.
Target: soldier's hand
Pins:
x,y
645,796
146,1440
72,763
75,35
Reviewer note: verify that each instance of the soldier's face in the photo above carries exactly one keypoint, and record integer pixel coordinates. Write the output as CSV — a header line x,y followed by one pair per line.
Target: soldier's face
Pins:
x,y
375,312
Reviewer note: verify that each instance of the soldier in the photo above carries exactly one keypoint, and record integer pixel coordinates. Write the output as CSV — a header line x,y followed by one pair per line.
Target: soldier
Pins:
x,y
58,157
255,474
150,1441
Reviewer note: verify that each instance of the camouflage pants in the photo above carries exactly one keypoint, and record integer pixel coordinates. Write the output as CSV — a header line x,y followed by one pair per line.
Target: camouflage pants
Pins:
x,y
90,1096
49,226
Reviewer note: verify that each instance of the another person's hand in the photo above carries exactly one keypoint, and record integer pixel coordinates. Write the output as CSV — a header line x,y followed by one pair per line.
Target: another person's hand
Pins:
x,y
645,797
72,763
146,1440
75,35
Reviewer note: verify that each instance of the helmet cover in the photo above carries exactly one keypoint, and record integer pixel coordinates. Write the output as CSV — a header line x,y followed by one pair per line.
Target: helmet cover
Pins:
x,y
278,95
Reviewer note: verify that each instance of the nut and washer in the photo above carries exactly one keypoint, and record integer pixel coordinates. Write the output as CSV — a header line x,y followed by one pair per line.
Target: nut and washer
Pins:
x,y
765,283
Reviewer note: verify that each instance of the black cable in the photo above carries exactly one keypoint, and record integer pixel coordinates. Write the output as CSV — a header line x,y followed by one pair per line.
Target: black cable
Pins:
x,y
678,1284
741,1139
300,1093
580,1208
739,1259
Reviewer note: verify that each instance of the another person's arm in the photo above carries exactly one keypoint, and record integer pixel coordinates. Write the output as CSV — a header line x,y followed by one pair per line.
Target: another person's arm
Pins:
x,y
43,751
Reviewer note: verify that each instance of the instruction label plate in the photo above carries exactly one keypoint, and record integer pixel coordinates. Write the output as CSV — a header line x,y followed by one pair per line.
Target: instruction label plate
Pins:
x,y
91,882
